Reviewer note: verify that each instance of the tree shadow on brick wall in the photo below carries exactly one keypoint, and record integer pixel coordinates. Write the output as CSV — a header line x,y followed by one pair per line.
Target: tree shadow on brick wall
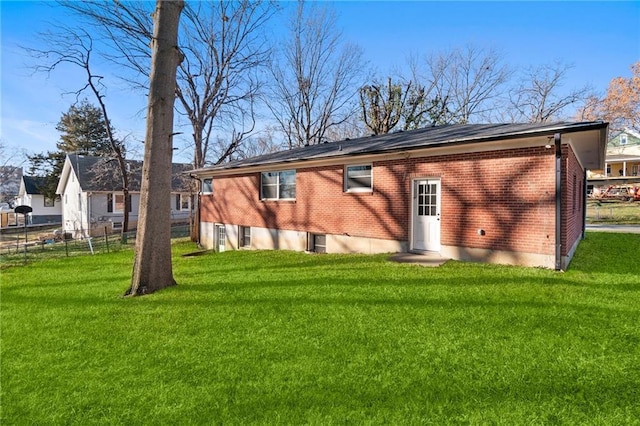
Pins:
x,y
510,210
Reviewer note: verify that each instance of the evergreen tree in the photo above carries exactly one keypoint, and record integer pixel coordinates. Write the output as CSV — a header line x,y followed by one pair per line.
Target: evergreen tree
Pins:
x,y
83,130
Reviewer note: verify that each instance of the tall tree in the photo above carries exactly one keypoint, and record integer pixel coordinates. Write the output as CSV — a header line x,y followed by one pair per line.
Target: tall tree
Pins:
x,y
152,269
465,82
83,129
621,104
218,81
75,47
315,77
385,106
538,95
382,105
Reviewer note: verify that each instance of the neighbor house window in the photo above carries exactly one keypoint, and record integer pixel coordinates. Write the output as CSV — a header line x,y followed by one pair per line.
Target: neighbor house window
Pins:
x,y
115,203
182,202
278,185
608,169
207,186
623,139
358,178
49,202
634,170
245,236
118,203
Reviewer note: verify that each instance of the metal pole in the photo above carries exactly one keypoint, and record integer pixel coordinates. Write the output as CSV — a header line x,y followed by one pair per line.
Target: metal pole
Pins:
x,y
25,236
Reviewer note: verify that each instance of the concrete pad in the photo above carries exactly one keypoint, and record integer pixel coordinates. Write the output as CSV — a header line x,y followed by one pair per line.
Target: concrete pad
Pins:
x,y
423,259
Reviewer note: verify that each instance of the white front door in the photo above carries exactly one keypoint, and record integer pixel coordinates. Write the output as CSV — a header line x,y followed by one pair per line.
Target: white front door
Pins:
x,y
426,215
221,237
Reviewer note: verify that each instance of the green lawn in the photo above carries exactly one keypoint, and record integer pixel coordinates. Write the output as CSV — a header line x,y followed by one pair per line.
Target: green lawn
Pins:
x,y
291,338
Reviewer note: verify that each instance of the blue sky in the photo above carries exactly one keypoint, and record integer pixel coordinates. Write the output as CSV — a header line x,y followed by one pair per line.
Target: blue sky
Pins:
x,y
601,40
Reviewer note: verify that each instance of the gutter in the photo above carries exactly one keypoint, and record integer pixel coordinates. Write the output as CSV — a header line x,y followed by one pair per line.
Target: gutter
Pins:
x,y
357,147
558,259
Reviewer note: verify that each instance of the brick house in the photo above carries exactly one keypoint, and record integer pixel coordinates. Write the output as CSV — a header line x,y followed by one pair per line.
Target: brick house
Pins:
x,y
500,193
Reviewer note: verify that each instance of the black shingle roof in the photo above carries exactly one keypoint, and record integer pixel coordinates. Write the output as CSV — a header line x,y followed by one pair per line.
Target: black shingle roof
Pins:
x,y
103,174
32,184
414,139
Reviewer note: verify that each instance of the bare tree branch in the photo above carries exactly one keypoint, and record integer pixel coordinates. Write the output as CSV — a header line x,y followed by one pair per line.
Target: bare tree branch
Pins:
x,y
75,47
537,97
315,79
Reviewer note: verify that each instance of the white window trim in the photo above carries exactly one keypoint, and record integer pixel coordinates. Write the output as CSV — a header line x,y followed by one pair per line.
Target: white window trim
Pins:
x,y
346,178
207,192
241,242
115,203
623,139
182,198
277,185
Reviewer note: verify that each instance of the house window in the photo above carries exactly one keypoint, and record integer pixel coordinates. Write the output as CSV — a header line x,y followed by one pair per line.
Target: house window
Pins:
x,y
115,203
49,202
358,178
318,243
623,139
245,236
207,186
634,170
118,203
575,192
116,225
182,202
608,169
278,185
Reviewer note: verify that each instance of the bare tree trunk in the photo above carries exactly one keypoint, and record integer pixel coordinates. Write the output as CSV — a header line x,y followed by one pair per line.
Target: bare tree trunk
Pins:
x,y
152,269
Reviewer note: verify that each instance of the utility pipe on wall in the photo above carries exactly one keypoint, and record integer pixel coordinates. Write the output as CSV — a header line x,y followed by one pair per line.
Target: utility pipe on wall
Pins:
x,y
558,142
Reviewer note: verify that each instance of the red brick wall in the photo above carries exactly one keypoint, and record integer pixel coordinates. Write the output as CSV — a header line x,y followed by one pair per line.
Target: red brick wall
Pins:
x,y
509,194
572,199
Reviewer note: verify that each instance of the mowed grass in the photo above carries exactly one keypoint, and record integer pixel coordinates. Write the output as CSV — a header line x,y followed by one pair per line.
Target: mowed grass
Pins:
x,y
254,337
614,212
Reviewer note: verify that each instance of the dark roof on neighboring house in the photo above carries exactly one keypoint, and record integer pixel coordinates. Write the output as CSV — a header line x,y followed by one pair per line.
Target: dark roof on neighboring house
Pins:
x,y
446,135
103,174
32,184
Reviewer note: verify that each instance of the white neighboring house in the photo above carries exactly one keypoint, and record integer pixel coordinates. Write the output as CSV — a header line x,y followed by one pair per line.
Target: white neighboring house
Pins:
x,y
45,210
93,201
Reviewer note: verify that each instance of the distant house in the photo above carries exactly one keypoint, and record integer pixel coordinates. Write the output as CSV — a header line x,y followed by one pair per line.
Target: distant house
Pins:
x,y
10,179
45,210
622,162
93,200
503,193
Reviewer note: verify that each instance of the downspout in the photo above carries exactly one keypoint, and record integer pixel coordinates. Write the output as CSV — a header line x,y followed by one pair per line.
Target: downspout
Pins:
x,y
558,142
89,224
197,211
584,205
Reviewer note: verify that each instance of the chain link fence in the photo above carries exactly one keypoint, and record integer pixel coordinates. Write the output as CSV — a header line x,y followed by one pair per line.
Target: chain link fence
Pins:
x,y
14,250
